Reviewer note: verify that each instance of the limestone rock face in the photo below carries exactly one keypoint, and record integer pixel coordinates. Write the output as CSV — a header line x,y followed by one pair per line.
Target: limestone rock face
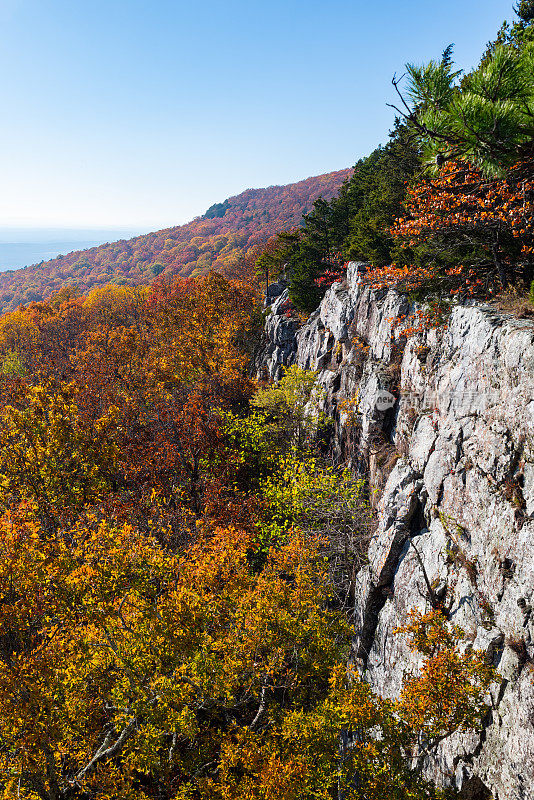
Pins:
x,y
453,465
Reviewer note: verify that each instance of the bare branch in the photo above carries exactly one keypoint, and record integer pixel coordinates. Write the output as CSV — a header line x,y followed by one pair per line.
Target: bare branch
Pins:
x,y
108,750
261,709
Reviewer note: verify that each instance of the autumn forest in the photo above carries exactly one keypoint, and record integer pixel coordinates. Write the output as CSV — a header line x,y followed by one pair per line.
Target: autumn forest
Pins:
x,y
178,547
228,234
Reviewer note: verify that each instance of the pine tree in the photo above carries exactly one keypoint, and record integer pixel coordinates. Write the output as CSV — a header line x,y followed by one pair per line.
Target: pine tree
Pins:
x,y
311,256
486,119
356,224
525,10
382,183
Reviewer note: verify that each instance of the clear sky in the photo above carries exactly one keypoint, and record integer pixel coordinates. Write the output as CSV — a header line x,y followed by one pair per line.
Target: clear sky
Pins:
x,y
142,113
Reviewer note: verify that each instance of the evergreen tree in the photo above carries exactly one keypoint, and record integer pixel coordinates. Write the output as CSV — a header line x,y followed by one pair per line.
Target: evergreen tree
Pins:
x,y
487,119
355,225
381,190
525,10
311,256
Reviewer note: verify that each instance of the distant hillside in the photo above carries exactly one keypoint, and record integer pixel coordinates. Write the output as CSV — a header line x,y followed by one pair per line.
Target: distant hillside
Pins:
x,y
220,240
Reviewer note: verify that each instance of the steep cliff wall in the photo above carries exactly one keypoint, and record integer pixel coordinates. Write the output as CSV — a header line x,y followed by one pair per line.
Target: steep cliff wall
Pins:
x,y
452,463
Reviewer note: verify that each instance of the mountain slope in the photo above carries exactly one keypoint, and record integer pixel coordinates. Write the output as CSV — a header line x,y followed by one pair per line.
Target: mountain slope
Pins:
x,y
220,240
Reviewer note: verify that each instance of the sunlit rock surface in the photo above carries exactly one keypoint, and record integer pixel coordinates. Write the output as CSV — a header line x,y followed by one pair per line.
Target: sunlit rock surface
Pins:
x,y
452,462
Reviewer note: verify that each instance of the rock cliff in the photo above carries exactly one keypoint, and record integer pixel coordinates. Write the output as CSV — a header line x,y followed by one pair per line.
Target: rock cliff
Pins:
x,y
450,460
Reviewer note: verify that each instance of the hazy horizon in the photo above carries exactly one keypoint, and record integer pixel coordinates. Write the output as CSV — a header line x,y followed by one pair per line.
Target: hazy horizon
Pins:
x,y
32,233
23,246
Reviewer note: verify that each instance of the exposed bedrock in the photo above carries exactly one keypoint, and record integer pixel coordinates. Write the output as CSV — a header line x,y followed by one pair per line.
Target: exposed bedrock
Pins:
x,y
451,465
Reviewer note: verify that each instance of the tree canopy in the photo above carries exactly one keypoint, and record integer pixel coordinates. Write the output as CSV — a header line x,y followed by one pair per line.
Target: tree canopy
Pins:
x,y
444,209
175,554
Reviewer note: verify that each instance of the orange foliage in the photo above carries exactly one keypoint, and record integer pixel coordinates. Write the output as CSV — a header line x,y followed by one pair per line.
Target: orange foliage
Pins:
x,y
153,644
219,240
449,692
462,197
144,372
460,206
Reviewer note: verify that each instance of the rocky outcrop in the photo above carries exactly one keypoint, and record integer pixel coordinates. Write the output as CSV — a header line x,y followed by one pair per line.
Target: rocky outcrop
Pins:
x,y
278,349
452,460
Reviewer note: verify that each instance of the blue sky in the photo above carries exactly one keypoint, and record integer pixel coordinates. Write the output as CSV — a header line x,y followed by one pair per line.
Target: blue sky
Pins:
x,y
142,114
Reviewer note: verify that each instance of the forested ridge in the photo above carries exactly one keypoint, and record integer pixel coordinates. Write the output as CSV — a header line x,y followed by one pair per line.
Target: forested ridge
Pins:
x,y
179,551
222,239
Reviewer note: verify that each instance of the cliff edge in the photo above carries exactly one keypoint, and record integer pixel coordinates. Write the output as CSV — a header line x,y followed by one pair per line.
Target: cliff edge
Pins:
x,y
442,422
